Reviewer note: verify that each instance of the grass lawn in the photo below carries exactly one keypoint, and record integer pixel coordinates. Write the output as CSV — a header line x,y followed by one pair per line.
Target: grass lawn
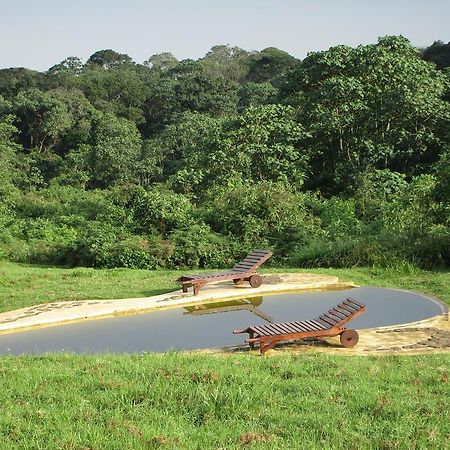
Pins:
x,y
24,285
177,401
182,401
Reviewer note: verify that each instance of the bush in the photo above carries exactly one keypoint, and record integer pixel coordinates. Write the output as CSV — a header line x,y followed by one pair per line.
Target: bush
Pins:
x,y
265,214
199,247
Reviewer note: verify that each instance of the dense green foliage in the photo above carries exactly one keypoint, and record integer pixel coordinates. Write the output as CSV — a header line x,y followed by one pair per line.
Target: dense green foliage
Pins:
x,y
177,401
341,159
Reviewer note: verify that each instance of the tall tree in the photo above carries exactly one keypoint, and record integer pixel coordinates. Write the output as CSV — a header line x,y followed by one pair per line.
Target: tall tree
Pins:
x,y
375,106
161,61
108,59
269,63
230,62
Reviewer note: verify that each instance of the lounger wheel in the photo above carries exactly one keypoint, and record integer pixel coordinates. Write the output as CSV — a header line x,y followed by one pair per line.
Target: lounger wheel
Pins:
x,y
349,338
255,281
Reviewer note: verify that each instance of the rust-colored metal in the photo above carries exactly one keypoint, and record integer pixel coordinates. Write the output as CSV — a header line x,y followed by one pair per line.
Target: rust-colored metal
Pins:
x,y
243,271
328,324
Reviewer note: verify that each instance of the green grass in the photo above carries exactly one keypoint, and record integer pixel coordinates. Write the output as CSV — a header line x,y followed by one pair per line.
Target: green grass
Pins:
x,y
177,401
182,401
26,285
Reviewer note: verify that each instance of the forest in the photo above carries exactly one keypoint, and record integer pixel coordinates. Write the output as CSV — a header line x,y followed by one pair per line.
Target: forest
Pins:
x,y
340,159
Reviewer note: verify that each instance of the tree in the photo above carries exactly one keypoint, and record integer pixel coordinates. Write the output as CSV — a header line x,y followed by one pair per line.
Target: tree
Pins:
x,y
198,90
188,86
42,118
232,63
115,148
270,137
375,106
15,80
70,66
8,168
161,61
108,59
438,53
122,91
255,94
269,63
262,144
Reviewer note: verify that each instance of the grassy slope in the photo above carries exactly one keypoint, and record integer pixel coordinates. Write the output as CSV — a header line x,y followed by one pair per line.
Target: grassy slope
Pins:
x,y
25,285
179,401
198,402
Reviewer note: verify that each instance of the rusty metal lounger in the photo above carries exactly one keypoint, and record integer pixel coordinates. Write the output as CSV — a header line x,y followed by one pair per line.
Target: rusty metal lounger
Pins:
x,y
327,325
242,271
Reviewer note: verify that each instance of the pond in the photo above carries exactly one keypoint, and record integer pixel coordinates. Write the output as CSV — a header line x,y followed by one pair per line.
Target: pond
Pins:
x,y
211,325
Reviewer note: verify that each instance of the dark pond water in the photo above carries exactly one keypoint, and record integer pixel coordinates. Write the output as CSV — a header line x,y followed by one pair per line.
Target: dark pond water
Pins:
x,y
212,325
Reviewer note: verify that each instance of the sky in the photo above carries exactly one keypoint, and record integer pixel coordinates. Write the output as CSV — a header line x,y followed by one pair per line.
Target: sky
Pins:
x,y
38,34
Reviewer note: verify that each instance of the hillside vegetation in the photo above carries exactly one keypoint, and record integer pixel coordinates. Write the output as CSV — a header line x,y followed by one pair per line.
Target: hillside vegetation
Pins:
x,y
342,159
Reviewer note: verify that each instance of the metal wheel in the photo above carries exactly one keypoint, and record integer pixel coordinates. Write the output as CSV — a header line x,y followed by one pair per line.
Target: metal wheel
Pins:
x,y
349,338
255,281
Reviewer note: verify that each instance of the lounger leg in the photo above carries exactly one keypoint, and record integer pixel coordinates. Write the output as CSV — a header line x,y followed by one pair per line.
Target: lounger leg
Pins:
x,y
251,344
264,347
185,288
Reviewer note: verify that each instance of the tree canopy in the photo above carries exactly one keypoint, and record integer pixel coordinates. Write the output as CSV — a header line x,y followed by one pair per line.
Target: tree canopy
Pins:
x,y
338,159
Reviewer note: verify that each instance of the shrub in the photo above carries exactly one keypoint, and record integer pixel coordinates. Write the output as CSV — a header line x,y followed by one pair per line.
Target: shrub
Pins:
x,y
199,247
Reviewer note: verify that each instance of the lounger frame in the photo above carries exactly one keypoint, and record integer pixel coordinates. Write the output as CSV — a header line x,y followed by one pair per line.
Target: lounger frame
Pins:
x,y
243,271
328,324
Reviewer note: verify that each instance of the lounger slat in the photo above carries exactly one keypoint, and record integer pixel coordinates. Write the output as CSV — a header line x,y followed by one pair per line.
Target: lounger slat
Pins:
x,y
347,308
285,327
355,302
326,319
268,330
291,327
313,325
347,301
321,326
244,263
343,311
243,266
302,327
257,329
308,327
351,305
336,315
334,319
294,328
325,324
279,329
252,259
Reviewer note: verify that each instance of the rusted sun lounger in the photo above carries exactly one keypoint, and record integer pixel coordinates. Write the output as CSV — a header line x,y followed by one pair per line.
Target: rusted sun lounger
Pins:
x,y
242,271
327,325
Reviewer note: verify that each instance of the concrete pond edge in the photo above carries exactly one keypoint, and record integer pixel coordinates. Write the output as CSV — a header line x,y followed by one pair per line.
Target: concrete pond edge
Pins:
x,y
426,336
